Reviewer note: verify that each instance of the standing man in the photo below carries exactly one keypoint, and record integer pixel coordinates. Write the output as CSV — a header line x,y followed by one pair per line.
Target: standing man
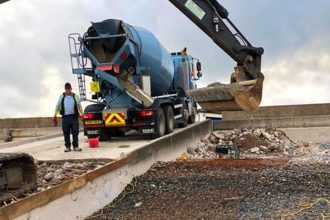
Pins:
x,y
69,106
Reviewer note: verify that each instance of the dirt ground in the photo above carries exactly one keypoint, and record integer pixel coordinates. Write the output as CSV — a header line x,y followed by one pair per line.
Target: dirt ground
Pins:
x,y
225,189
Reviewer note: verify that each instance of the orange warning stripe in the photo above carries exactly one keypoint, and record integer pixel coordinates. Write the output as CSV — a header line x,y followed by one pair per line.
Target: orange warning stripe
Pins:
x,y
114,119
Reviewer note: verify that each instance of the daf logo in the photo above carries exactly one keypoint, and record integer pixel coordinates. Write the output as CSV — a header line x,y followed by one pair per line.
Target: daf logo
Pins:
x,y
148,130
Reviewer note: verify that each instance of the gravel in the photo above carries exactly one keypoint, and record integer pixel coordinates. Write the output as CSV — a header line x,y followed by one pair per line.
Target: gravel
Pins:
x,y
224,189
275,178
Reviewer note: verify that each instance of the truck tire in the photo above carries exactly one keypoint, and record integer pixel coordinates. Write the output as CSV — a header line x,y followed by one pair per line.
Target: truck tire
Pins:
x,y
160,123
192,117
183,122
105,135
117,132
169,119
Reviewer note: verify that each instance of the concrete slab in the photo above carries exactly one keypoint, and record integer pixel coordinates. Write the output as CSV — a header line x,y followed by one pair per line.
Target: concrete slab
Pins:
x,y
53,148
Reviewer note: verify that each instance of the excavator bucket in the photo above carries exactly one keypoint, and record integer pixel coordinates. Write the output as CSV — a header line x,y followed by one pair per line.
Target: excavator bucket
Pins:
x,y
18,174
243,95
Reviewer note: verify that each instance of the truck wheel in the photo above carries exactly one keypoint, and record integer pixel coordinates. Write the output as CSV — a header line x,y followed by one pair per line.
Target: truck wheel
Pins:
x,y
185,116
119,133
169,119
192,117
160,123
105,135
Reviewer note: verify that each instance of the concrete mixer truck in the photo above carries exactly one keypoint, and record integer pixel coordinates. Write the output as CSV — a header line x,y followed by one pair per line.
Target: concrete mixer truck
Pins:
x,y
136,83
139,85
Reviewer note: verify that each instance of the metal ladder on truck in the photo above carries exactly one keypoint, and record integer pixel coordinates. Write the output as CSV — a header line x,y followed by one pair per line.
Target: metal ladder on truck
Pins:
x,y
78,64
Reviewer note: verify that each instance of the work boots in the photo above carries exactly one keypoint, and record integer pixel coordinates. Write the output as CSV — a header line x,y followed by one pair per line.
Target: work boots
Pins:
x,y
67,149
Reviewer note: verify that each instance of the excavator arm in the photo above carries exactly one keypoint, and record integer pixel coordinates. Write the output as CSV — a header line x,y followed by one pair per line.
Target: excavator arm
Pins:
x,y
245,89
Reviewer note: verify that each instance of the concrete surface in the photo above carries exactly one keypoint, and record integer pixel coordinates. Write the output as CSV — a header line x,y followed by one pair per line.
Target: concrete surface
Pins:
x,y
52,147
106,188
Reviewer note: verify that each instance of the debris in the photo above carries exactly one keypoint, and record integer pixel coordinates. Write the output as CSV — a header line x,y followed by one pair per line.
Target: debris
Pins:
x,y
58,174
7,135
255,150
183,157
49,176
258,142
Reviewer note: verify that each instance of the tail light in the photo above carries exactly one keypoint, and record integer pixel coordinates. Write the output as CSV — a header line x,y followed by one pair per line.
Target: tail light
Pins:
x,y
89,116
114,67
146,113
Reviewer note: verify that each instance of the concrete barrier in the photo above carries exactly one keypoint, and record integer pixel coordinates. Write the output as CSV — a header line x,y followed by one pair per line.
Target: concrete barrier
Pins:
x,y
280,112
37,122
304,128
68,200
311,134
286,122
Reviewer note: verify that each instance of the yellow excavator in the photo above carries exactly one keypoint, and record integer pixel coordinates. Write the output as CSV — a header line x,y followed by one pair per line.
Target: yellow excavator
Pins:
x,y
245,89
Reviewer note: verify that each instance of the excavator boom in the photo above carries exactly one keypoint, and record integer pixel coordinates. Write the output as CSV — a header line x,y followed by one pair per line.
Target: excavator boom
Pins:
x,y
245,89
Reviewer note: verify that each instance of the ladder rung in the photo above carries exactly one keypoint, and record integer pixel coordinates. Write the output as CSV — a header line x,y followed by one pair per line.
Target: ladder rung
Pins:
x,y
76,55
79,71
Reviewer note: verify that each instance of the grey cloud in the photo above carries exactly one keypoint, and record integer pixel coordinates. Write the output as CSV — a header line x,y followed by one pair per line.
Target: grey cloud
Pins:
x,y
35,62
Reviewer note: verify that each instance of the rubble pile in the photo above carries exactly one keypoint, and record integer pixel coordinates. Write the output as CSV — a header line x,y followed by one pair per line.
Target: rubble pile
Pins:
x,y
51,174
254,142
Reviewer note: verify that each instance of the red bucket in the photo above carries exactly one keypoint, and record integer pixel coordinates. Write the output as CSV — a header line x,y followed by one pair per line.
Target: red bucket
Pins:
x,y
93,142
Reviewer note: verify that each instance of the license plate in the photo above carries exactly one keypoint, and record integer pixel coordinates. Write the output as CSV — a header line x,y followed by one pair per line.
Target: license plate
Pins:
x,y
148,130
93,122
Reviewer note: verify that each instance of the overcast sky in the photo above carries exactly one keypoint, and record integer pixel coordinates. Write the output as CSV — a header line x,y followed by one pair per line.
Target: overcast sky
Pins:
x,y
35,62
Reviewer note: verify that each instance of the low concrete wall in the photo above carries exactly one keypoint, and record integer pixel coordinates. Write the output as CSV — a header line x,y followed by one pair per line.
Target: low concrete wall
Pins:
x,y
99,190
279,112
38,122
313,134
288,122
307,129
